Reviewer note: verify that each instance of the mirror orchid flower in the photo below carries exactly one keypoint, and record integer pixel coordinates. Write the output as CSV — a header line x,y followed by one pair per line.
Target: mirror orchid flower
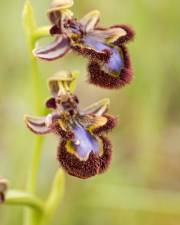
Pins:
x,y
109,64
84,150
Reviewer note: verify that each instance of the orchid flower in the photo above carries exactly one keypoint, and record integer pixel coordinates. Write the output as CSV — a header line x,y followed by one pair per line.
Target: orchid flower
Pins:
x,y
84,149
109,63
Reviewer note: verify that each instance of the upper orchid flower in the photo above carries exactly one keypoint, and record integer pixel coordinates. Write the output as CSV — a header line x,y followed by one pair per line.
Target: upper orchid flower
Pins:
x,y
84,150
109,63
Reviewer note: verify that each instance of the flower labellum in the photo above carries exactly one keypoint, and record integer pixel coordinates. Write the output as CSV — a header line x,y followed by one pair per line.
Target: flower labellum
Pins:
x,y
109,63
84,150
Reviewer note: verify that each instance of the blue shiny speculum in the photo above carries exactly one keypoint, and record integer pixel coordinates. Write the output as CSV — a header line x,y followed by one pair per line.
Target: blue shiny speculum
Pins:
x,y
84,142
115,63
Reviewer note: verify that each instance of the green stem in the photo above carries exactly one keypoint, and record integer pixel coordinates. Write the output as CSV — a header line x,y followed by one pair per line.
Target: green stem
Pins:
x,y
33,172
32,34
14,197
54,198
31,186
41,32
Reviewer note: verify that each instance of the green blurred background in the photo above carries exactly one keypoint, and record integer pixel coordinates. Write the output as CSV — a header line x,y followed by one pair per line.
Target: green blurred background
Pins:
x,y
143,184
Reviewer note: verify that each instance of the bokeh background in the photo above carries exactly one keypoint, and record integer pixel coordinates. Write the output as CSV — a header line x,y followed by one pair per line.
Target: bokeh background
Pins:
x,y
143,184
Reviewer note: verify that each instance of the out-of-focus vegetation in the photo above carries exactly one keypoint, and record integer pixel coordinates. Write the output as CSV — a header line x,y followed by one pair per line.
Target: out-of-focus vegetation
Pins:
x,y
143,183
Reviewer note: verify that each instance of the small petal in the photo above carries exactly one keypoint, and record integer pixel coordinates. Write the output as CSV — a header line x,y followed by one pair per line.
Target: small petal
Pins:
x,y
111,34
3,189
90,121
55,17
98,108
38,125
110,123
55,50
98,124
117,33
90,20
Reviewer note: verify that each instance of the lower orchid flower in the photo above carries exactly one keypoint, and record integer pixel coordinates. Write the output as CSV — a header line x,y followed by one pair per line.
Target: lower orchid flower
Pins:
x,y
84,150
109,62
